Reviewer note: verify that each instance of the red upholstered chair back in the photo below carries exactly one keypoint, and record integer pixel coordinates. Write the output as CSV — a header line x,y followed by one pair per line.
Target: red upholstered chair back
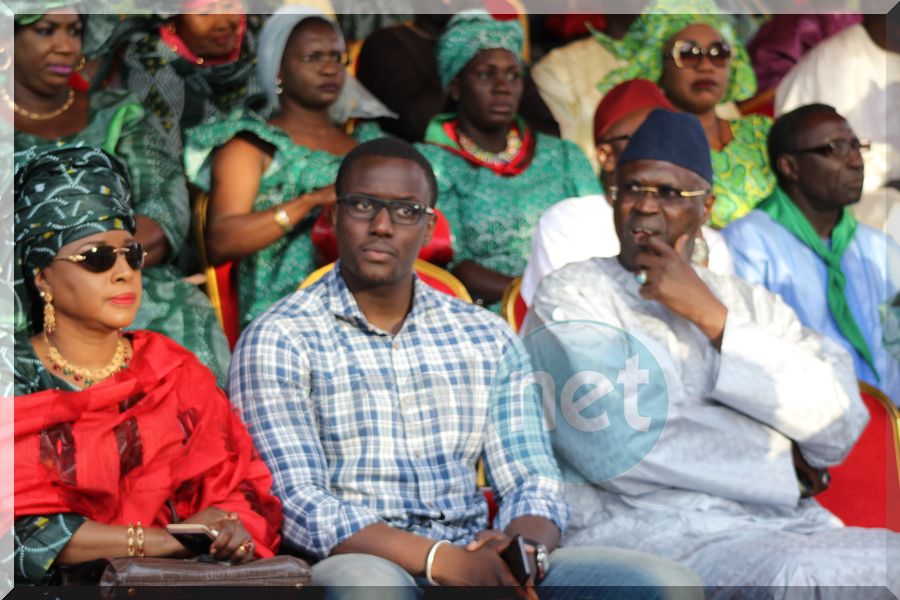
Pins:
x,y
512,306
438,251
221,283
865,488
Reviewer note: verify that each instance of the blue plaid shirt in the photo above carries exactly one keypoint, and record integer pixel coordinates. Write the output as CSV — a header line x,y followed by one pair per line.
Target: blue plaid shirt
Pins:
x,y
360,426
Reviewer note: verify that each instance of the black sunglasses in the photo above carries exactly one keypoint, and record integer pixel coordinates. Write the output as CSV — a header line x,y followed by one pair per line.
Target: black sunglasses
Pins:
x,y
99,259
689,54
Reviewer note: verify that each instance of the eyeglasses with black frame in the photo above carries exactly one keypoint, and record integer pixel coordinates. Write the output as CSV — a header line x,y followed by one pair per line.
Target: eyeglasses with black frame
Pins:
x,y
839,148
632,192
689,54
332,58
366,208
102,258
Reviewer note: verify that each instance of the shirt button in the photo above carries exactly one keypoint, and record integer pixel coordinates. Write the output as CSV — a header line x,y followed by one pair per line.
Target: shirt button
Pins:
x,y
418,453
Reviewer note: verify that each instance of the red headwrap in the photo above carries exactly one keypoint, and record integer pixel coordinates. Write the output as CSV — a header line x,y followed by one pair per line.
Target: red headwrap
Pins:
x,y
624,99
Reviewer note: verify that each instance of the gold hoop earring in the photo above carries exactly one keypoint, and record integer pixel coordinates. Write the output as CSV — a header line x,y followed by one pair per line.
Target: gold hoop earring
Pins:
x,y
5,66
49,313
81,64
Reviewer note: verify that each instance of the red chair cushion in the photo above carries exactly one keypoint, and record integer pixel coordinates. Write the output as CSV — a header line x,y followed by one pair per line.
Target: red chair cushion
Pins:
x,y
228,298
438,251
520,309
858,493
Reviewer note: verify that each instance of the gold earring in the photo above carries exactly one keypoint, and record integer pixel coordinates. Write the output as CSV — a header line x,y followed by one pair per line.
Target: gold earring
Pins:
x,y
49,313
81,64
8,61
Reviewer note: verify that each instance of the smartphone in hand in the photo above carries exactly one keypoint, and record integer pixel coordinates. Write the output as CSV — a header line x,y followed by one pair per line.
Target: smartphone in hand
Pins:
x,y
193,536
516,558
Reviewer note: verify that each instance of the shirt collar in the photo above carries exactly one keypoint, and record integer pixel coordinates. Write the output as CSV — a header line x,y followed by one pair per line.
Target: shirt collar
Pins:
x,y
343,305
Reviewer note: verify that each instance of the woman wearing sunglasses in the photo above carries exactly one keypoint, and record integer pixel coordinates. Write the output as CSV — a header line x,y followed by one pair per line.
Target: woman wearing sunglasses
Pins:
x,y
48,113
270,178
699,63
116,435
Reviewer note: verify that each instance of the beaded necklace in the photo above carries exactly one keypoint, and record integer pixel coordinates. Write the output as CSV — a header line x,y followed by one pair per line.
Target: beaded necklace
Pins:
x,y
513,146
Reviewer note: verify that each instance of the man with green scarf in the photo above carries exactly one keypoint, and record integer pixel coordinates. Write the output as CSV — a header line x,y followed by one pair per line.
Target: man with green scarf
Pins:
x,y
804,243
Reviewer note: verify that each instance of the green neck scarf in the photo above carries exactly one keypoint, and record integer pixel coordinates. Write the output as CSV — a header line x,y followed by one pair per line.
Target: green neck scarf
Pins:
x,y
782,209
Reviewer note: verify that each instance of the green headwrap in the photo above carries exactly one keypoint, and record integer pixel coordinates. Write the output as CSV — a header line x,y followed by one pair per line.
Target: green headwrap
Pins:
x,y
470,32
19,7
642,47
61,196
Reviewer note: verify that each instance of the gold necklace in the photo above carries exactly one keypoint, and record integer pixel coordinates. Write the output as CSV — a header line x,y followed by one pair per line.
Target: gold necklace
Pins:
x,y
513,145
35,116
84,376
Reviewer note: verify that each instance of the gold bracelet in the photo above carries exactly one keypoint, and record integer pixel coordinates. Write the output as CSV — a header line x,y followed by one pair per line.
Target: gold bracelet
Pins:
x,y
140,540
284,221
129,534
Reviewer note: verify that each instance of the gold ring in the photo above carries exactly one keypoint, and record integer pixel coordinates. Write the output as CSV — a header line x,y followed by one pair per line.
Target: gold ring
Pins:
x,y
233,516
246,547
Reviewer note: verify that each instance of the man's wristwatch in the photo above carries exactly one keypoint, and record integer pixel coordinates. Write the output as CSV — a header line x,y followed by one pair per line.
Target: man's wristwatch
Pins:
x,y
541,558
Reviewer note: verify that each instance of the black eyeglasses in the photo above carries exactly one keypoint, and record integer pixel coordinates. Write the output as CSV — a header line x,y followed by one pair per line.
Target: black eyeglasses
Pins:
x,y
839,148
333,58
99,259
366,208
632,192
689,54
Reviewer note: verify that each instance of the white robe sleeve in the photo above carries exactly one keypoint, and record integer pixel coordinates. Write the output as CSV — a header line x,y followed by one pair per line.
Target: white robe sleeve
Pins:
x,y
798,382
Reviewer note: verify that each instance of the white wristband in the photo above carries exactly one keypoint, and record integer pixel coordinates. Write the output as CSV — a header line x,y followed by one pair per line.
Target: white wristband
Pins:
x,y
429,562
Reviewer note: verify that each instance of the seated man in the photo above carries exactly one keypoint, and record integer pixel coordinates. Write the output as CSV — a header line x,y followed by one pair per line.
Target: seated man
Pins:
x,y
577,229
368,395
740,397
858,72
804,243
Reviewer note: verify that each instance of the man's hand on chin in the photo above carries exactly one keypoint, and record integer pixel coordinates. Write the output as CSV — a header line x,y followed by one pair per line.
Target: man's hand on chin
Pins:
x,y
672,281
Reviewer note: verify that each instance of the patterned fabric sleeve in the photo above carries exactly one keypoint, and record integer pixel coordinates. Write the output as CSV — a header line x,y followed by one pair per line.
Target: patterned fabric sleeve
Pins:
x,y
160,192
270,385
39,540
519,461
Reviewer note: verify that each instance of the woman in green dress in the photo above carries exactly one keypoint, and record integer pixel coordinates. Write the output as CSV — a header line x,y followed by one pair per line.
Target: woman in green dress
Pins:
x,y
269,178
495,175
49,114
699,62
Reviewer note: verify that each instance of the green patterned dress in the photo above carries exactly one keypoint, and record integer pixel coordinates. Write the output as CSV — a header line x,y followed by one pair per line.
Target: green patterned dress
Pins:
x,y
180,93
743,176
493,217
170,306
277,270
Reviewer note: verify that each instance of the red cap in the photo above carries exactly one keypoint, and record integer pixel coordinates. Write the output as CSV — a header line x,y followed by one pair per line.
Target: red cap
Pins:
x,y
624,99
501,10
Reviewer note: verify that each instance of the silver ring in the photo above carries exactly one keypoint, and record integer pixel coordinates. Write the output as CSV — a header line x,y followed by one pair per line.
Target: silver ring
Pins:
x,y
641,277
